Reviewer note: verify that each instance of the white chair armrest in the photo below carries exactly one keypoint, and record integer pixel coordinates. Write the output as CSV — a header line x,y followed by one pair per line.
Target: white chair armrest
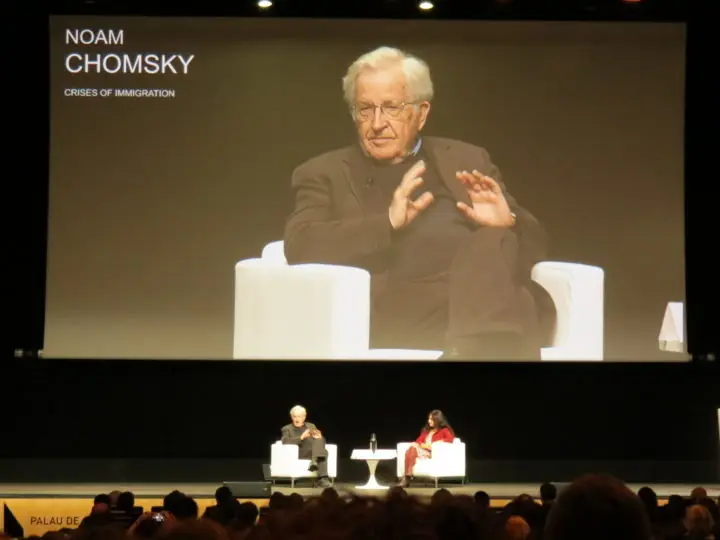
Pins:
x,y
448,459
332,459
304,311
442,448
282,459
285,451
578,293
274,253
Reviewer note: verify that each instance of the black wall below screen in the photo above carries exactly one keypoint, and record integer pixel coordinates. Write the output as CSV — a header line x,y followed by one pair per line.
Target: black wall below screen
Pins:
x,y
195,421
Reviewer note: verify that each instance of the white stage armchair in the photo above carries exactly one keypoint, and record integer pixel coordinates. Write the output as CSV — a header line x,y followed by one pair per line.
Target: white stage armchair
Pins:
x,y
578,291
286,463
320,311
447,461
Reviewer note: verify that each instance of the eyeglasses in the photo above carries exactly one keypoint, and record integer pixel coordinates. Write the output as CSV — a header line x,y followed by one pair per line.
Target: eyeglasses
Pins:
x,y
366,111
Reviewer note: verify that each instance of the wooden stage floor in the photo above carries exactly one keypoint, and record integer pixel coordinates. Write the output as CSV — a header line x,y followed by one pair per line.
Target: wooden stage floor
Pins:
x,y
204,491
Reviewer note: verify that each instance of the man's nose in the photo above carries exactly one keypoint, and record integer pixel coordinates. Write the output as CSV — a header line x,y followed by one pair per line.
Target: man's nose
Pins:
x,y
379,121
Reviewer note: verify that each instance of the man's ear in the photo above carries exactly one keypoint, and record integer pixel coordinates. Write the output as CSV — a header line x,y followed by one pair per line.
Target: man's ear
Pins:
x,y
423,112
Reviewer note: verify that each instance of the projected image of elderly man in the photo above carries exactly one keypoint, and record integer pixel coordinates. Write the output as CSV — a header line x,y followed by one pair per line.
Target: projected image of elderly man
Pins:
x,y
449,249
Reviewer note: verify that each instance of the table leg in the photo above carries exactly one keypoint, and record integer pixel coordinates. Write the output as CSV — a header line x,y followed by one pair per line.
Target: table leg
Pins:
x,y
372,481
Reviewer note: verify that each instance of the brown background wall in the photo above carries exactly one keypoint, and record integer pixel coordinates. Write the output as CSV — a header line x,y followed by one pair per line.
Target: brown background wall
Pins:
x,y
153,201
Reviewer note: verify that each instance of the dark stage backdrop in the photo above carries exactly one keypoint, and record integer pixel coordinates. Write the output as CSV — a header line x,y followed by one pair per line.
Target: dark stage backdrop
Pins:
x,y
153,201
194,421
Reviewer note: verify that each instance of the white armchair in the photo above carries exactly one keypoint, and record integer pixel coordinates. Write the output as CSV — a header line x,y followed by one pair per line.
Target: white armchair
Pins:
x,y
286,463
578,291
320,311
447,461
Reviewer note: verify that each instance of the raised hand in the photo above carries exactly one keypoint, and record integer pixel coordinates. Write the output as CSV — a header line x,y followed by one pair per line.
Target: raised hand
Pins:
x,y
403,209
489,206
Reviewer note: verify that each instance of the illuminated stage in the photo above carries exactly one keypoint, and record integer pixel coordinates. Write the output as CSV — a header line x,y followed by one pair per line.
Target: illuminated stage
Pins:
x,y
39,508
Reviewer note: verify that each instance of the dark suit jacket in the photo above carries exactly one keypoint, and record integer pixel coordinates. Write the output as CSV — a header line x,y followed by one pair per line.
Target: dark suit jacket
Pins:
x,y
288,436
336,222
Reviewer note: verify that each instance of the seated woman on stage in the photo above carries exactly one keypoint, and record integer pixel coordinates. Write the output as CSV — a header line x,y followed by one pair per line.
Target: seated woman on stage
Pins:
x,y
436,430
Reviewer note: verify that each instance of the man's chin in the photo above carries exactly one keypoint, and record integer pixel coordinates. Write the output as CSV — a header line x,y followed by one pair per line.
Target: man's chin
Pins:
x,y
383,153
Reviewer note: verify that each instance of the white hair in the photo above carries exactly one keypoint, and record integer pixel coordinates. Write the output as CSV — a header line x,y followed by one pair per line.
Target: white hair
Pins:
x,y
417,73
298,410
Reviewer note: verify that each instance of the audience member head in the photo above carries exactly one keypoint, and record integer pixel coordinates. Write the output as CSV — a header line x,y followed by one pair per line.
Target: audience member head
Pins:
x,y
183,508
516,528
101,503
397,495
441,496
223,495
246,515
482,499
648,498
126,501
114,497
277,501
675,508
597,507
526,507
523,500
330,496
170,499
98,518
698,493
295,501
698,521
548,493
330,493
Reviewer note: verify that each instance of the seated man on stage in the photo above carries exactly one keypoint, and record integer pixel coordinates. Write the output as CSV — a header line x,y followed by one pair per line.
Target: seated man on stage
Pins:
x,y
449,249
437,429
310,441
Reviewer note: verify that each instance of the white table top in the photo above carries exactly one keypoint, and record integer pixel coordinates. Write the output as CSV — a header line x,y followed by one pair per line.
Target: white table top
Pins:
x,y
368,454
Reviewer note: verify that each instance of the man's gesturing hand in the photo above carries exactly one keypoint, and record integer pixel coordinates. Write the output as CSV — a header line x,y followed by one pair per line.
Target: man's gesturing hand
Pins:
x,y
402,208
489,207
